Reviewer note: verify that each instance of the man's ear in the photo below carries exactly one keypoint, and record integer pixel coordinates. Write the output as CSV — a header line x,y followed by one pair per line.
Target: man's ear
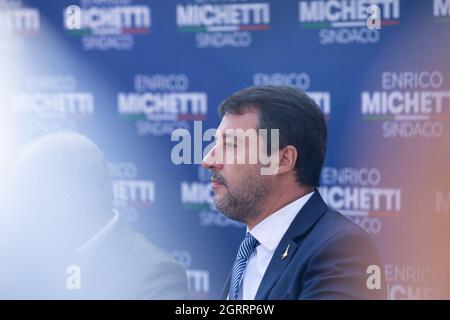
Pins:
x,y
287,157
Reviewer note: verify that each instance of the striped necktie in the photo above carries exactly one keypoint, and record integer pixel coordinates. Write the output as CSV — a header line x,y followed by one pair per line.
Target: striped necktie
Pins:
x,y
246,249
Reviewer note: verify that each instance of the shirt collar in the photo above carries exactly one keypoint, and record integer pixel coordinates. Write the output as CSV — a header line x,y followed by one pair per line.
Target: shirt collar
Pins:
x,y
271,230
89,247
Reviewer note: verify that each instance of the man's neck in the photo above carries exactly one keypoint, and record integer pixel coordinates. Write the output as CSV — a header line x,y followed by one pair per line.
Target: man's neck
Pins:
x,y
278,199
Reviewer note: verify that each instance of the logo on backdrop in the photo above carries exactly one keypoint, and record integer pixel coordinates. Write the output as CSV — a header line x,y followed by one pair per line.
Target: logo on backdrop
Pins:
x,y
225,24
198,196
358,194
441,11
198,279
442,202
410,282
161,103
51,102
131,193
17,22
107,24
348,22
300,81
410,104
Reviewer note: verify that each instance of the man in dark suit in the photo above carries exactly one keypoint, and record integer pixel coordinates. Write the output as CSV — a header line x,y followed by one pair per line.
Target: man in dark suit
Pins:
x,y
295,246
66,240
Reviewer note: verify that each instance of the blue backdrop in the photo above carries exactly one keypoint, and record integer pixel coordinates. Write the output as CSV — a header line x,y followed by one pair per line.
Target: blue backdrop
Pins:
x,y
128,72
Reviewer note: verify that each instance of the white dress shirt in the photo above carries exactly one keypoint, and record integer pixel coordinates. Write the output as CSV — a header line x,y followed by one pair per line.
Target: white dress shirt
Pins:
x,y
88,249
269,233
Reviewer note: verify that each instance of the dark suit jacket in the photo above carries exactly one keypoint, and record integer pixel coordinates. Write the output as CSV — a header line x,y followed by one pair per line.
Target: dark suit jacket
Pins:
x,y
327,259
123,266
127,266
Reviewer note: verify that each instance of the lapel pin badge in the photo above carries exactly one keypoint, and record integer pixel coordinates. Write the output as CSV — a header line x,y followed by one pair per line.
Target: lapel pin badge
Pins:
x,y
286,253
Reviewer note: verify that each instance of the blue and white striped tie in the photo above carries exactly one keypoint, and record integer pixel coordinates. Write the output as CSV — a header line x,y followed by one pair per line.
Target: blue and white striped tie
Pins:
x,y
246,249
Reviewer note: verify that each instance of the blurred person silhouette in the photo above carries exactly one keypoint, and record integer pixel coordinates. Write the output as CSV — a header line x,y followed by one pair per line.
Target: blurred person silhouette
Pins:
x,y
67,242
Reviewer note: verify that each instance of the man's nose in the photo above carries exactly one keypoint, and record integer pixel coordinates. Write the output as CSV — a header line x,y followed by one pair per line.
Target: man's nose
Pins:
x,y
210,160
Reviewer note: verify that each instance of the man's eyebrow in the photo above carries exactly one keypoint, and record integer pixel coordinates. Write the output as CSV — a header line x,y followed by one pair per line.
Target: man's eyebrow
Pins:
x,y
223,135
230,136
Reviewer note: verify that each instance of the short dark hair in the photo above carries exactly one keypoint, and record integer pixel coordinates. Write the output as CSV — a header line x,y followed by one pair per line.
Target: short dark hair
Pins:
x,y
299,119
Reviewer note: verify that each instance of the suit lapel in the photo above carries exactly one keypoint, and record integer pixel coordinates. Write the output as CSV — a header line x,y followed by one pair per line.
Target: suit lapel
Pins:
x,y
109,258
303,222
226,289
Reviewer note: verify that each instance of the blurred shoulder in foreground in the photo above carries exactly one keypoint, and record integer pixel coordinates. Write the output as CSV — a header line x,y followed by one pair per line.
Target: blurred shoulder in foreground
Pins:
x,y
65,241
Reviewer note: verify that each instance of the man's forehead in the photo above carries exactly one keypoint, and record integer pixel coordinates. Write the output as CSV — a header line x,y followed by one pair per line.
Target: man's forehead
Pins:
x,y
247,120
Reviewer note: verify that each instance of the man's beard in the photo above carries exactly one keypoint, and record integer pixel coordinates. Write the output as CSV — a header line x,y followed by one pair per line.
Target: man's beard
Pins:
x,y
242,202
